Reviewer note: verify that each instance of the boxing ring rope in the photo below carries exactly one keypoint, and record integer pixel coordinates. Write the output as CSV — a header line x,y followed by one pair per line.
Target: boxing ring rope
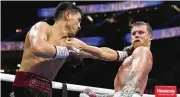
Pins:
x,y
70,87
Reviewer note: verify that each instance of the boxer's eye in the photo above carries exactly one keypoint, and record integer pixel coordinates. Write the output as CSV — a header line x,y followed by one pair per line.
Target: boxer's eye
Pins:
x,y
140,32
79,19
68,39
133,33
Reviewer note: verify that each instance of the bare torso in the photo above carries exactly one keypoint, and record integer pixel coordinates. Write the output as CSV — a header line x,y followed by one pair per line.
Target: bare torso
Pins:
x,y
45,67
123,73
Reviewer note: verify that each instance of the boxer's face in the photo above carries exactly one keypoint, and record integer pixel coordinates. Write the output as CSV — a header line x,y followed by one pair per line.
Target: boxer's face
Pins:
x,y
140,36
73,23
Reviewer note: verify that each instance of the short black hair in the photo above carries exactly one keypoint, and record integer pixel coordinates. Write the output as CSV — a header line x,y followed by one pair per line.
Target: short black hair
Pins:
x,y
65,6
139,23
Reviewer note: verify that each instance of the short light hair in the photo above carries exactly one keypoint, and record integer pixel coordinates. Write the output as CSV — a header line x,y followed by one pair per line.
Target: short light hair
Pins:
x,y
139,23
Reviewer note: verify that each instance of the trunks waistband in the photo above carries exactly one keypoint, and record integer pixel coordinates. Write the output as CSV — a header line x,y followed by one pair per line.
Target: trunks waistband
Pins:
x,y
33,81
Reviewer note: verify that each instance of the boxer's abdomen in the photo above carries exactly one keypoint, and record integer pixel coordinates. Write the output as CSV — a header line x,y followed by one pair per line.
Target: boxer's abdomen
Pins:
x,y
46,68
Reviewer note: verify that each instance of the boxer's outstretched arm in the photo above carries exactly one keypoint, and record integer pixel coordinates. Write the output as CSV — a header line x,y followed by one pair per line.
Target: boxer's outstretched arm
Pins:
x,y
102,53
93,52
141,66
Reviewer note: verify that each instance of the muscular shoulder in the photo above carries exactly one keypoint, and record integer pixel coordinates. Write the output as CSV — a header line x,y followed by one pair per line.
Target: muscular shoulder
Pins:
x,y
40,28
41,24
142,50
144,58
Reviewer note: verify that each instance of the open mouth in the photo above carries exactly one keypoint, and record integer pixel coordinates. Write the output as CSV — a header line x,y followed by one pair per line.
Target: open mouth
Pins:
x,y
137,41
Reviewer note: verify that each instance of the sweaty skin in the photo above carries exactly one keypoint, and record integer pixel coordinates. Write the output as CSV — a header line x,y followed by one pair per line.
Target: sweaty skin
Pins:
x,y
39,50
134,70
43,66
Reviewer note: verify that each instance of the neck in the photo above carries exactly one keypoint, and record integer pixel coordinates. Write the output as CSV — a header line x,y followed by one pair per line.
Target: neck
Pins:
x,y
147,46
61,28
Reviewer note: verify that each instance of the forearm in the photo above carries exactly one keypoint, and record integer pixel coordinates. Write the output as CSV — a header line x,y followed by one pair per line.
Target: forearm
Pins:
x,y
105,53
46,50
43,49
87,55
91,52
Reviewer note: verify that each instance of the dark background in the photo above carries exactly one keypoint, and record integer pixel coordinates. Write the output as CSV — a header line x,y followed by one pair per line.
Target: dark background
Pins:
x,y
166,65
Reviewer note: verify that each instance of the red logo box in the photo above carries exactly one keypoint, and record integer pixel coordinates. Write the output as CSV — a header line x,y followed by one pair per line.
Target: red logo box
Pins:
x,y
165,91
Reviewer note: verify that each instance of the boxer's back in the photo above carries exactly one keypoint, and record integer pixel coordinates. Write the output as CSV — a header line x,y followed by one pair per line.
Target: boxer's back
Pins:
x,y
46,67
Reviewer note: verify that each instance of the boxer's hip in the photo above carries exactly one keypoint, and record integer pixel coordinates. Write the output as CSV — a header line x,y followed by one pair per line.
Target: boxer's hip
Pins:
x,y
32,81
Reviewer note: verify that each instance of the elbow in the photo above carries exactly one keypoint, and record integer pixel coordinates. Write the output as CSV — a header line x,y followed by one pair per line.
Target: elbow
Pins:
x,y
102,57
36,49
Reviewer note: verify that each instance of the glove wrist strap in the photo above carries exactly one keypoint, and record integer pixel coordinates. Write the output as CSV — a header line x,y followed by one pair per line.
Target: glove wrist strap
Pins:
x,y
121,55
61,52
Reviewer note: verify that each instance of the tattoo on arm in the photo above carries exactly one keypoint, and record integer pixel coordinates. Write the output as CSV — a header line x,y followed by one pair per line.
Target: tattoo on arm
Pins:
x,y
131,81
130,86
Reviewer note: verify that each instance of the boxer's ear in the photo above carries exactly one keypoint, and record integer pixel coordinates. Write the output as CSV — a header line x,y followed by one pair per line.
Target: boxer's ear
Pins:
x,y
150,37
66,15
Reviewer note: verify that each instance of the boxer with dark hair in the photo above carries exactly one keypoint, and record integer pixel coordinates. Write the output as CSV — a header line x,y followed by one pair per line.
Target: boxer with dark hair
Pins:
x,y
45,51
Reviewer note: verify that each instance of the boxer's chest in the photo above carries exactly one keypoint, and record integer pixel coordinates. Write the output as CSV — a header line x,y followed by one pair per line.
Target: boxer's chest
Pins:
x,y
57,40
